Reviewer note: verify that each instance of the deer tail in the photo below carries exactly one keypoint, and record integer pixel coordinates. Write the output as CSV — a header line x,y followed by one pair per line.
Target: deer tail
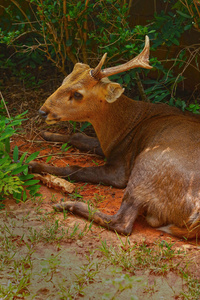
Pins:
x,y
191,230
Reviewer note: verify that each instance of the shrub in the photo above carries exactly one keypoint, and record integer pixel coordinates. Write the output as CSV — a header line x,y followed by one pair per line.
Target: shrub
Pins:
x,y
66,32
14,177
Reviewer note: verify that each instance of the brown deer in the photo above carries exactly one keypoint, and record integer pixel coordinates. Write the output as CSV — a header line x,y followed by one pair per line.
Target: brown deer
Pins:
x,y
152,149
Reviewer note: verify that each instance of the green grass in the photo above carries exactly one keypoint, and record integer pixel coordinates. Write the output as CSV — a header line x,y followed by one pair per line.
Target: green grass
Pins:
x,y
157,258
40,251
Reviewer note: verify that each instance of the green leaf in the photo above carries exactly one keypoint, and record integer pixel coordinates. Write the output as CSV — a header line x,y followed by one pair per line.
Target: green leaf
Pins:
x,y
15,154
7,145
25,172
24,196
187,27
159,98
64,147
26,177
17,196
17,122
48,158
19,170
34,189
175,41
183,14
127,79
31,182
32,157
22,157
8,133
12,166
4,159
84,126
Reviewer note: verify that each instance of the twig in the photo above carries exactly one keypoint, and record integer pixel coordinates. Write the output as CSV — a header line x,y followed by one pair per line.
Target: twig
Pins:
x,y
141,88
42,141
23,13
67,35
64,154
5,106
129,6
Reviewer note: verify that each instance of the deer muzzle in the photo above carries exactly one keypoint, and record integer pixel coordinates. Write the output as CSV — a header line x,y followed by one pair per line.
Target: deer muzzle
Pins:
x,y
43,114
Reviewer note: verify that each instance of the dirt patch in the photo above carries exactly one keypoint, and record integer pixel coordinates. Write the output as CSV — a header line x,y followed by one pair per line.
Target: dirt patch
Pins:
x,y
105,198
50,255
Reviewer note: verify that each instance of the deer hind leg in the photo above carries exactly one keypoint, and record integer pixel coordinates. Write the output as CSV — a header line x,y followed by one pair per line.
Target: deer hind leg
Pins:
x,y
121,222
79,140
153,221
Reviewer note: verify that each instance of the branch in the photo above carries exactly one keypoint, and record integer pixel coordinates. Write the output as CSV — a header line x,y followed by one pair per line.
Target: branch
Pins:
x,y
5,105
85,30
23,13
68,48
141,89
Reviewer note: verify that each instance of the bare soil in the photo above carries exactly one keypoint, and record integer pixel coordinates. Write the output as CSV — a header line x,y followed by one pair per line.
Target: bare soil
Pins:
x,y
61,256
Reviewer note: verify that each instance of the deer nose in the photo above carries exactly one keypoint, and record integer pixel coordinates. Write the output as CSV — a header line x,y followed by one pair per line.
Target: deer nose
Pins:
x,y
43,114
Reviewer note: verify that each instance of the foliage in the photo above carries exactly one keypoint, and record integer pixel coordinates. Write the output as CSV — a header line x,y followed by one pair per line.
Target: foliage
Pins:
x,y
60,29
189,9
14,177
168,31
195,108
66,32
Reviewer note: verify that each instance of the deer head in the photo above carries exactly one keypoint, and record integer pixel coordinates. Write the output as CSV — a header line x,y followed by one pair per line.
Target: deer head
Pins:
x,y
85,90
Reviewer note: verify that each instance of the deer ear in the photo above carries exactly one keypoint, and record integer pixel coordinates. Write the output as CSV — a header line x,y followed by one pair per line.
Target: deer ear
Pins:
x,y
113,91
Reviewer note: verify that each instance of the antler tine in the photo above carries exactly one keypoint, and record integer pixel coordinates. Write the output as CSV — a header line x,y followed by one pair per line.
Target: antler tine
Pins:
x,y
97,71
142,60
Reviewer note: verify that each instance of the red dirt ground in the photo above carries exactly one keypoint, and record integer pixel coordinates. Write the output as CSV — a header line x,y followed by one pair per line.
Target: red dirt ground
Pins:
x,y
105,198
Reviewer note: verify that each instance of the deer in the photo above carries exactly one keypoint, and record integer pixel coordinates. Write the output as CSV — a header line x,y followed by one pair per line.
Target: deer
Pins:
x,y
152,150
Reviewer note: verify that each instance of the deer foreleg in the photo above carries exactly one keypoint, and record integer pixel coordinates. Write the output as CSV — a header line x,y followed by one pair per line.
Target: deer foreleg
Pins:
x,y
106,174
79,140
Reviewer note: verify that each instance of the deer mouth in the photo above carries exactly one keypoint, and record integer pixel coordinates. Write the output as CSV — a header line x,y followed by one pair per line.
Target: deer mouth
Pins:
x,y
49,122
48,117
52,119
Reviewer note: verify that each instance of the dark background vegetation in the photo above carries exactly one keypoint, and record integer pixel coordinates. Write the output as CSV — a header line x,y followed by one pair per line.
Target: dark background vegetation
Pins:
x,y
41,40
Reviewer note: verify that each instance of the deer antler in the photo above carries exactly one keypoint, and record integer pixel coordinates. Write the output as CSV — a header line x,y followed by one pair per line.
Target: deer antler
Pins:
x,y
142,60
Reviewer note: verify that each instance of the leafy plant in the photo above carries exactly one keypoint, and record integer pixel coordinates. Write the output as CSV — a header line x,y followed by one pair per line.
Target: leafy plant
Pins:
x,y
162,91
189,9
168,31
194,107
76,194
65,32
60,29
65,147
14,177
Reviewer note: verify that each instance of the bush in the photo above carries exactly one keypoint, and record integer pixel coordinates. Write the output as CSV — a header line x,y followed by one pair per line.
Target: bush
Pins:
x,y
14,177
66,32
72,31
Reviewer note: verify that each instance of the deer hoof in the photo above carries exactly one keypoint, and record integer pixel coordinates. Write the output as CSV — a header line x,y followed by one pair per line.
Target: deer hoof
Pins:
x,y
34,167
69,205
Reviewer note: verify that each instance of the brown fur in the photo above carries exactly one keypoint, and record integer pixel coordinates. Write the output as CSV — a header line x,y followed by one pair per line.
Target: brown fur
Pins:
x,y
154,150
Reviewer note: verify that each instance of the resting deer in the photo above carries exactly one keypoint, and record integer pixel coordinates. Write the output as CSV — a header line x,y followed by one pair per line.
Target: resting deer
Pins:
x,y
152,149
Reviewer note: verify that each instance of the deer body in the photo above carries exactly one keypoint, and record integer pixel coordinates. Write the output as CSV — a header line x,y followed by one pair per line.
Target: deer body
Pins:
x,y
152,149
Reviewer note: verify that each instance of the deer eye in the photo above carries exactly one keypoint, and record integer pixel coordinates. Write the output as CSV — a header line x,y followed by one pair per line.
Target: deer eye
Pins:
x,y
77,96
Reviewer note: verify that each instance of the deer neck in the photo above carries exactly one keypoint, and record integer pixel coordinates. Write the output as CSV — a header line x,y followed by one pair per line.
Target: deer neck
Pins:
x,y
116,120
